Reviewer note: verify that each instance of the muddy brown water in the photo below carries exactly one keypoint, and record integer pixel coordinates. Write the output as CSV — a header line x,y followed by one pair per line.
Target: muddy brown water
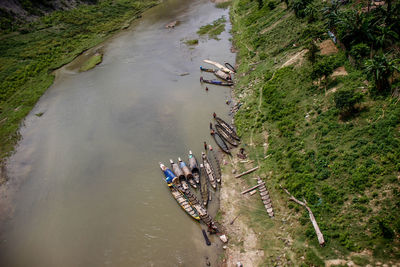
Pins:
x,y
85,186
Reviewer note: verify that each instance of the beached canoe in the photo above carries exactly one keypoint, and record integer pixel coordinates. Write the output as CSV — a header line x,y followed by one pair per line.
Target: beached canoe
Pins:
x,y
194,167
227,127
182,200
186,171
179,173
209,170
219,73
219,140
203,185
218,65
227,137
214,161
215,82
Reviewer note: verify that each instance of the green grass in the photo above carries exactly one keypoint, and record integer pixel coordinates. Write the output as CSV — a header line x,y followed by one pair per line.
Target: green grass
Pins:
x,y
192,42
28,57
92,62
223,5
214,29
347,168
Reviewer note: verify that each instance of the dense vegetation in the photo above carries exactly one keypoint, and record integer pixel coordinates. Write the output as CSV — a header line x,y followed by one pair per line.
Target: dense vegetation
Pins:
x,y
28,56
332,140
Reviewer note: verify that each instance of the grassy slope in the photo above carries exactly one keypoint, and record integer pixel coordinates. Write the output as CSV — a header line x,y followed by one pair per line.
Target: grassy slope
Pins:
x,y
27,58
347,170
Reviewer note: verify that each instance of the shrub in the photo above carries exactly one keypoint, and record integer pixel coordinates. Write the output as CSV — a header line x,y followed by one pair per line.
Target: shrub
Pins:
x,y
345,99
359,51
271,5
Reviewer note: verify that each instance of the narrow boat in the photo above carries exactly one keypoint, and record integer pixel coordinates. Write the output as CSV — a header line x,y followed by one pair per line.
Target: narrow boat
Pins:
x,y
227,127
203,185
182,200
218,65
209,170
186,171
229,66
193,167
222,132
219,140
219,73
215,163
179,173
216,82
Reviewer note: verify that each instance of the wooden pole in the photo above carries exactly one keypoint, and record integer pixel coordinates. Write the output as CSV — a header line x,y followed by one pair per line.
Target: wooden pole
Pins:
x,y
251,189
246,172
312,218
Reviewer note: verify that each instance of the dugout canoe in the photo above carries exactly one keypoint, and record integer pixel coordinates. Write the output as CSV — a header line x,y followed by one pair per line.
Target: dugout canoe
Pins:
x,y
214,161
203,185
209,170
194,167
224,134
227,127
219,140
219,73
178,195
218,65
215,82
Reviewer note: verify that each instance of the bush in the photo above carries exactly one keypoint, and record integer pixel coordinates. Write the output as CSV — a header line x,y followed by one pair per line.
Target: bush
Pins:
x,y
271,5
346,99
359,51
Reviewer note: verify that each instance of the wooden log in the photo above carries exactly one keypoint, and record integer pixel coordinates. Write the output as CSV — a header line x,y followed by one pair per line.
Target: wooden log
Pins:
x,y
303,203
250,189
253,192
247,172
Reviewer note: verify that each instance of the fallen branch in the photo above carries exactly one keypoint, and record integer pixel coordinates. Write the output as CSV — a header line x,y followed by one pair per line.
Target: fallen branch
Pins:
x,y
251,189
246,172
312,218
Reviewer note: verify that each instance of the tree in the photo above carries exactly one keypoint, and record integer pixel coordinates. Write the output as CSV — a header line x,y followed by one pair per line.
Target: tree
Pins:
x,y
381,68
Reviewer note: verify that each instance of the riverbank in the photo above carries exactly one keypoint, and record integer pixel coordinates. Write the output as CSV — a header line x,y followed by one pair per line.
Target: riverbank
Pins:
x,y
29,57
345,167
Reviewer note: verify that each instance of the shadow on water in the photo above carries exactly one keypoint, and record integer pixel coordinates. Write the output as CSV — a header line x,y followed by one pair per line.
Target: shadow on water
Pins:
x,y
90,192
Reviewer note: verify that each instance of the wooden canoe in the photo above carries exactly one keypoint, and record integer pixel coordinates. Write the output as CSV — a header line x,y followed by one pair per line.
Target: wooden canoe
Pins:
x,y
194,167
218,65
203,185
184,202
209,170
222,132
215,82
220,141
227,127
219,73
214,161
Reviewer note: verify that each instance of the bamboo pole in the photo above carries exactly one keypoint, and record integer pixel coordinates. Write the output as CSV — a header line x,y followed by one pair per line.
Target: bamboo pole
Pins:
x,y
312,218
252,188
246,172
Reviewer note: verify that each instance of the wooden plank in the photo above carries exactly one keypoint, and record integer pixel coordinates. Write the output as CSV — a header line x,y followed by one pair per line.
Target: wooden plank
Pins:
x,y
247,172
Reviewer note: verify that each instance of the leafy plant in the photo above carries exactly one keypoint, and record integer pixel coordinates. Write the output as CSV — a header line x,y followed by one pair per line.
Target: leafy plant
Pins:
x,y
380,67
346,99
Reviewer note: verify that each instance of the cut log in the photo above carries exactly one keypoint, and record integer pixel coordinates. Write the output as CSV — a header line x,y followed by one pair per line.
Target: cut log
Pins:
x,y
247,172
253,192
250,189
303,203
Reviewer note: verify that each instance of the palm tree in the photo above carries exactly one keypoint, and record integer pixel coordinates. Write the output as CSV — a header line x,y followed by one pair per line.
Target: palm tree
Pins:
x,y
381,68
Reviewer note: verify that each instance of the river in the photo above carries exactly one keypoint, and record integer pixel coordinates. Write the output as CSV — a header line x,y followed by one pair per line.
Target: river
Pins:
x,y
85,182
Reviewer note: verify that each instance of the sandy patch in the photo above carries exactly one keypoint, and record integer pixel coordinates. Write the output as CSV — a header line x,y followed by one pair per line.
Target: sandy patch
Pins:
x,y
341,71
243,243
298,57
327,47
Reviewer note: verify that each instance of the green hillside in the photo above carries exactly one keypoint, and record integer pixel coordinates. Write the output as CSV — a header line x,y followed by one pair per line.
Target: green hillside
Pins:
x,y
330,139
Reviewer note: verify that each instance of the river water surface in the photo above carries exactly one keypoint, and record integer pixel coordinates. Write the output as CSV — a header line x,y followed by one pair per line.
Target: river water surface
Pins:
x,y
89,191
